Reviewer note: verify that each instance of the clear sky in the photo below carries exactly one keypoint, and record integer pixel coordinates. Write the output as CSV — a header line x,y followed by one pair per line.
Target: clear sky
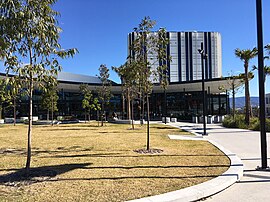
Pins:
x,y
99,28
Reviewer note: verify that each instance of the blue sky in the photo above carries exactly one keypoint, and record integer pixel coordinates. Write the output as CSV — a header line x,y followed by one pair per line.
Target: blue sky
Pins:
x,y
99,28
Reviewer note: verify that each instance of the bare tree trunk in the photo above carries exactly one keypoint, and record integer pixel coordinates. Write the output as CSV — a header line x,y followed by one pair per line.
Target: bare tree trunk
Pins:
x,y
28,161
48,114
132,115
98,117
1,111
123,105
89,115
140,107
14,111
102,115
128,105
30,118
52,111
84,115
148,123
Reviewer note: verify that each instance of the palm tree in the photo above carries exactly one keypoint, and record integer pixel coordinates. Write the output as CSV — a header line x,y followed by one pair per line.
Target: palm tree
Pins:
x,y
267,48
267,68
266,71
246,56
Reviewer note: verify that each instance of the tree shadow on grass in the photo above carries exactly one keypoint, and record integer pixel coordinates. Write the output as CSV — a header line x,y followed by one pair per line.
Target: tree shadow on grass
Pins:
x,y
80,125
136,177
38,174
118,155
37,151
163,127
68,129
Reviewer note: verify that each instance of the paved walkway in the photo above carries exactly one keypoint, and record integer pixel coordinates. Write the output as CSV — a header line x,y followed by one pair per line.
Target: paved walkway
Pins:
x,y
254,185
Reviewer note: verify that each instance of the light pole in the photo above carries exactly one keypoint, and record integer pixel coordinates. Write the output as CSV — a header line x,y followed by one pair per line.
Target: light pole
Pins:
x,y
261,85
203,56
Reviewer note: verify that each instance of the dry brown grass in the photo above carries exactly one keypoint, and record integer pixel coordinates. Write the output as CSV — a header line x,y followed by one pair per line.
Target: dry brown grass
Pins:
x,y
93,163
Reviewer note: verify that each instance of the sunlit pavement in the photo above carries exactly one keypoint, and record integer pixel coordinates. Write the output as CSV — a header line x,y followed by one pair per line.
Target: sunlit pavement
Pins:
x,y
254,185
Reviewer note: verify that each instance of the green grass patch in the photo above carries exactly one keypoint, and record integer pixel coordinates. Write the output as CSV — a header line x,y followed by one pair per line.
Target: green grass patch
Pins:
x,y
83,162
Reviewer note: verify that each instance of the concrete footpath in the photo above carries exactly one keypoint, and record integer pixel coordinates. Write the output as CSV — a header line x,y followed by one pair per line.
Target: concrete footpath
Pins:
x,y
254,185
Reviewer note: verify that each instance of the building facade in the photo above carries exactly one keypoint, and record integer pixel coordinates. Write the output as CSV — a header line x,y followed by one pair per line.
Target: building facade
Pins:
x,y
186,60
183,100
183,95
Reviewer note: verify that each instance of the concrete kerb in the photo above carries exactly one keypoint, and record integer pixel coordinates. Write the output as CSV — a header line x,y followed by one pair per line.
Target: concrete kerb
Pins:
x,y
206,189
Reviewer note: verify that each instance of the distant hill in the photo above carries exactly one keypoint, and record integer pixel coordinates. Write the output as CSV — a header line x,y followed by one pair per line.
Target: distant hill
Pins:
x,y
240,102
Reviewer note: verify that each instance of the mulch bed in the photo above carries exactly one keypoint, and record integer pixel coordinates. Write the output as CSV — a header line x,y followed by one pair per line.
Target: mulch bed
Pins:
x,y
148,151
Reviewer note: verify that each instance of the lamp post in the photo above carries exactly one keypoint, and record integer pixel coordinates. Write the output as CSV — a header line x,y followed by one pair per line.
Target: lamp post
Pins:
x,y
261,85
203,56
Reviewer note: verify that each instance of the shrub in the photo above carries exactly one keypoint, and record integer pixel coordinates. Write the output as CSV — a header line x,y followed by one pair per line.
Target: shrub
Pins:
x,y
255,125
239,122
229,122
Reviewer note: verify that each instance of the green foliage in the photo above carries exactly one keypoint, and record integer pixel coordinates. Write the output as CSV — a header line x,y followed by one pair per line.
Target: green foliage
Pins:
x,y
239,122
29,36
5,98
104,93
267,48
87,96
149,60
129,80
149,50
14,86
49,97
89,102
255,124
246,56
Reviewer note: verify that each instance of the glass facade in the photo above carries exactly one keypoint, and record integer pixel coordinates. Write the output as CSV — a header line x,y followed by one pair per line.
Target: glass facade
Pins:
x,y
185,64
181,105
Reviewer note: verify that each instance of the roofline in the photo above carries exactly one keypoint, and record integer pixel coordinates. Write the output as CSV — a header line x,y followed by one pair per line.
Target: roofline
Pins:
x,y
192,31
116,84
68,82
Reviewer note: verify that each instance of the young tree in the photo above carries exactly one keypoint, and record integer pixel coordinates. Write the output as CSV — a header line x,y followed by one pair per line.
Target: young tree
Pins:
x,y
86,102
246,56
15,89
89,102
104,93
5,97
130,89
235,83
95,105
33,51
149,49
163,69
49,99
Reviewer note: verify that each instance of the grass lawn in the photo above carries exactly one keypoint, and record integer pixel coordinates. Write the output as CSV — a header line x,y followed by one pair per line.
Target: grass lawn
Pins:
x,y
83,162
